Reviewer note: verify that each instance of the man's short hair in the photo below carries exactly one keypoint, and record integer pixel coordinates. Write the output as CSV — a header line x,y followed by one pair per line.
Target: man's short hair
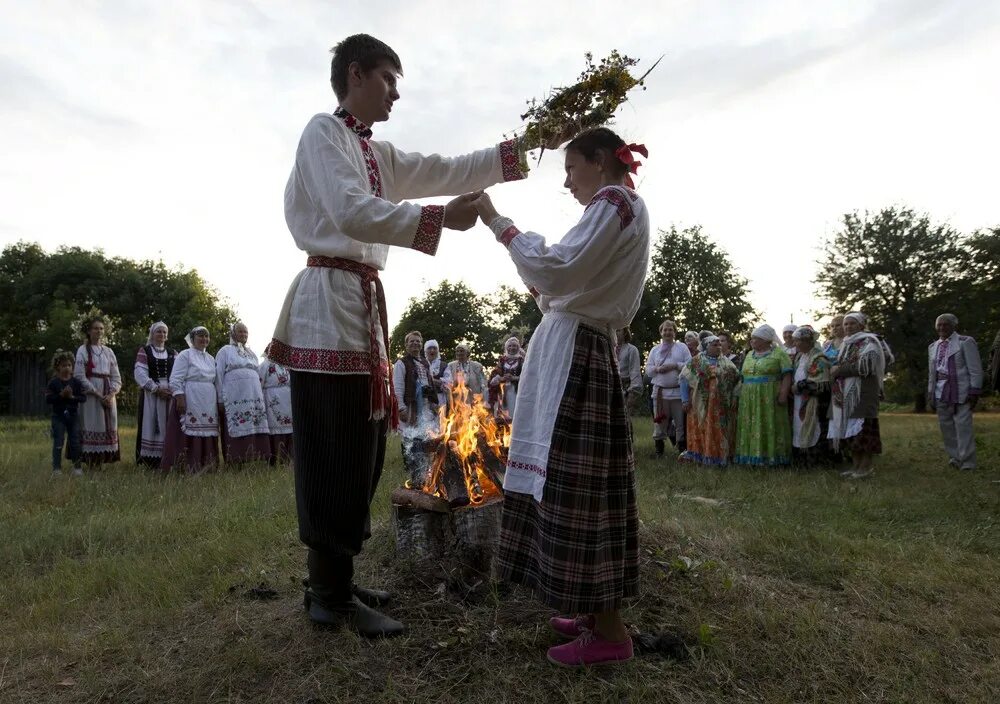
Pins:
x,y
413,333
949,317
367,51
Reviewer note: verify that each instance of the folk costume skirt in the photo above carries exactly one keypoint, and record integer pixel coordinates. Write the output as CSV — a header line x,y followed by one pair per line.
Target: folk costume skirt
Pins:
x,y
577,547
339,453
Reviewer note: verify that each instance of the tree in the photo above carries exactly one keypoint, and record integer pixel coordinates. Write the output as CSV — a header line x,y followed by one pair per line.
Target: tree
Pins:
x,y
901,271
46,296
693,282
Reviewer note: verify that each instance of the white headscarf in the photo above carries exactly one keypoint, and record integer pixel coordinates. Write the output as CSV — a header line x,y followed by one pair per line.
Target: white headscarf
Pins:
x,y
189,337
153,328
789,328
520,352
432,343
232,334
804,332
766,332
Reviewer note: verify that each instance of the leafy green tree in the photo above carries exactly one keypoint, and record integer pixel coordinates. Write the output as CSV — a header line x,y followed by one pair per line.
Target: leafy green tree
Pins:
x,y
46,295
448,313
901,270
693,282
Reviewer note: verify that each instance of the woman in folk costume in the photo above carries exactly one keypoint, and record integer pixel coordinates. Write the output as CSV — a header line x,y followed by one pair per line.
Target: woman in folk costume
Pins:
x,y
570,525
505,377
153,363
276,383
810,384
857,387
708,391
245,434
193,420
788,339
96,368
432,353
764,434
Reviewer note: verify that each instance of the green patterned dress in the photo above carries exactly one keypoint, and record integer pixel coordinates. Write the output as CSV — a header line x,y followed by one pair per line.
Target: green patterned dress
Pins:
x,y
764,433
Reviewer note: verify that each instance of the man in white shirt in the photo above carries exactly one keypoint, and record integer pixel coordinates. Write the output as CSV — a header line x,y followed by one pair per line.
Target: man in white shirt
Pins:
x,y
344,206
412,384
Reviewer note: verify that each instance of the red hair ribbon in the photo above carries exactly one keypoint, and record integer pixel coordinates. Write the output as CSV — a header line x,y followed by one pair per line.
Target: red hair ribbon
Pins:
x,y
624,154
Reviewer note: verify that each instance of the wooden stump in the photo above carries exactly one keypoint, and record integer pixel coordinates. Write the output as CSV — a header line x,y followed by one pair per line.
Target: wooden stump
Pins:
x,y
477,536
422,536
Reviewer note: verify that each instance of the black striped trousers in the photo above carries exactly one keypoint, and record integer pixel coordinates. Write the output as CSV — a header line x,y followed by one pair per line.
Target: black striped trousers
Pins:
x,y
339,455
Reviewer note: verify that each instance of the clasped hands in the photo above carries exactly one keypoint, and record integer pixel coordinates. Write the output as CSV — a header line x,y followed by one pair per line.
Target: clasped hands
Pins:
x,y
461,212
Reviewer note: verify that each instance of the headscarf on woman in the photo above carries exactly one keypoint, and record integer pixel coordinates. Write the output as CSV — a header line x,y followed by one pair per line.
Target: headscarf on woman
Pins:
x,y
189,338
870,362
817,379
767,333
153,328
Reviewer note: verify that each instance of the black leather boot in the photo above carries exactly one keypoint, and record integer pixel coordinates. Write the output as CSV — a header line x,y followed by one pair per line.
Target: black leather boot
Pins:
x,y
660,447
371,597
330,601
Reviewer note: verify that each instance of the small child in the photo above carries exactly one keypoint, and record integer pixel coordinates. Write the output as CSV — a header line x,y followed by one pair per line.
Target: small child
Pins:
x,y
65,393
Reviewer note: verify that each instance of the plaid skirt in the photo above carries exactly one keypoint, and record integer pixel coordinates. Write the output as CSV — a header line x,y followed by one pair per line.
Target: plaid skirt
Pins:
x,y
578,548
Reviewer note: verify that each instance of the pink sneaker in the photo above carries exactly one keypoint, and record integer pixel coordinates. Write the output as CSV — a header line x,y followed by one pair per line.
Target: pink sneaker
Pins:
x,y
571,627
590,649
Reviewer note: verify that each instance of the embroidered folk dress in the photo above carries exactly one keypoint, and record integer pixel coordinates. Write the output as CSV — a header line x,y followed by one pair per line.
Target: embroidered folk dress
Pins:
x,y
245,432
764,435
276,383
570,526
191,436
153,410
709,383
97,371
343,201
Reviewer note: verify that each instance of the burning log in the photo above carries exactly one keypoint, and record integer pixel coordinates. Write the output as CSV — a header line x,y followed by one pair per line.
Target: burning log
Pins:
x,y
414,498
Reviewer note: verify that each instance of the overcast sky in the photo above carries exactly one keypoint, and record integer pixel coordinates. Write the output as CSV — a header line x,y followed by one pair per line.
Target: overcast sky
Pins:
x,y
167,129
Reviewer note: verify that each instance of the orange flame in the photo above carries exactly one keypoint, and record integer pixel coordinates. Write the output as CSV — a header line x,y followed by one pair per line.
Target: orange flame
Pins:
x,y
459,431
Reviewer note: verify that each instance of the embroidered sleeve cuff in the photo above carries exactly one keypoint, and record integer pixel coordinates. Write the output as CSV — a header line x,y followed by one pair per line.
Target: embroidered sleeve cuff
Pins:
x,y
513,160
429,229
504,230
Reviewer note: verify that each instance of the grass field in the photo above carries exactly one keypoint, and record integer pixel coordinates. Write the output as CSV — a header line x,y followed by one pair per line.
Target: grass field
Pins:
x,y
788,586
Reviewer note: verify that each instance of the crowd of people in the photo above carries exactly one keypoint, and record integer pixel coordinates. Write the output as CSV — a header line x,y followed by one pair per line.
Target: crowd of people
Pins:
x,y
194,410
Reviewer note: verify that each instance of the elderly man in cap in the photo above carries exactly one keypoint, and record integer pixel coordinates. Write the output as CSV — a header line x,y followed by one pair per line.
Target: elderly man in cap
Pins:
x,y
954,382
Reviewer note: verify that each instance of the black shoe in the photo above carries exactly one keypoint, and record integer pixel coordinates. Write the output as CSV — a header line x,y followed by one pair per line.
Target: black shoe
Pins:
x,y
353,614
660,447
373,598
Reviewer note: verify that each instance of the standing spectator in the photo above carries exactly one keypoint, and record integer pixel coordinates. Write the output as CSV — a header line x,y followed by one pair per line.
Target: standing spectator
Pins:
x,y
857,387
693,342
708,391
831,348
276,383
954,382
787,334
764,431
663,366
729,349
629,368
242,414
411,382
65,394
193,425
504,379
432,353
97,370
810,383
153,363
468,370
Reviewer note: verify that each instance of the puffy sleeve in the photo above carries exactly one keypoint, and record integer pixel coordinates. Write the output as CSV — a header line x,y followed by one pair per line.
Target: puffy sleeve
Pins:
x,y
331,180
634,375
580,255
116,374
399,382
141,371
179,373
80,370
418,176
221,359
